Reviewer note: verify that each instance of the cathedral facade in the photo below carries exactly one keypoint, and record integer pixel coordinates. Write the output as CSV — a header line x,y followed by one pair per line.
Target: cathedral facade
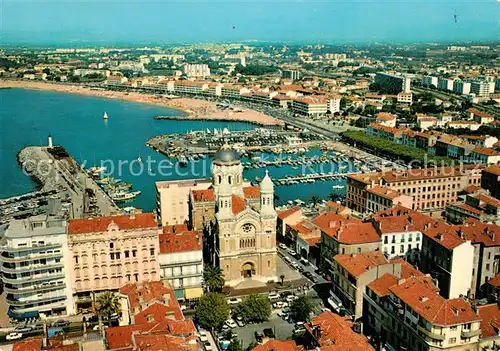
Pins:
x,y
242,218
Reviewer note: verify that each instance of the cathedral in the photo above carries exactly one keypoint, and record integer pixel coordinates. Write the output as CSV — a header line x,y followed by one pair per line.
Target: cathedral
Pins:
x,y
239,219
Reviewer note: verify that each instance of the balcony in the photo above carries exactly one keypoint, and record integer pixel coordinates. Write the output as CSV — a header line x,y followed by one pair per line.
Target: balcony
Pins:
x,y
31,268
31,248
32,279
19,303
38,288
4,257
470,333
430,334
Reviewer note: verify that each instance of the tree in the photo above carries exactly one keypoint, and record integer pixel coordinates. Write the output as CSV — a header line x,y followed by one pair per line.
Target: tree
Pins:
x,y
212,310
254,308
252,345
302,308
282,278
315,200
109,304
235,345
213,277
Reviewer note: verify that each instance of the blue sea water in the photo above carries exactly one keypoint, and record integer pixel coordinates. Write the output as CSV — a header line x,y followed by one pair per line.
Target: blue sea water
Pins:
x,y
27,117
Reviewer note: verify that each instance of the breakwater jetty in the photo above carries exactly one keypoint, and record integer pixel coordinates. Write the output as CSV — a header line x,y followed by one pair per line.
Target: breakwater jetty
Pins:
x,y
57,171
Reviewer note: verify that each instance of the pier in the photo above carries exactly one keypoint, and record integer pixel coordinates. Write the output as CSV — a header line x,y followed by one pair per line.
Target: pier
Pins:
x,y
57,171
311,178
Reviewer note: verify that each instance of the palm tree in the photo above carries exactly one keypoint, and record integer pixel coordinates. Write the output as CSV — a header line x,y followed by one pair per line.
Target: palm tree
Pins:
x,y
282,277
109,304
213,278
315,200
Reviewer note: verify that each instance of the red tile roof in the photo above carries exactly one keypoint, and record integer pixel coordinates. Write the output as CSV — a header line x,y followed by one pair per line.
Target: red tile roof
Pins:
x,y
443,235
485,151
101,224
285,213
494,169
381,285
35,344
251,192
386,116
337,334
384,192
278,345
471,189
357,264
180,242
238,204
157,312
206,195
423,298
175,228
142,294
303,227
329,222
495,281
490,320
402,220
165,343
479,113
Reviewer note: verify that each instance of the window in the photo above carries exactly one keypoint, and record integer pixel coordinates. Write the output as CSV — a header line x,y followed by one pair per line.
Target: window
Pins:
x,y
134,253
117,255
152,251
393,250
402,249
452,340
112,256
453,327
487,266
76,259
127,253
359,250
111,245
386,239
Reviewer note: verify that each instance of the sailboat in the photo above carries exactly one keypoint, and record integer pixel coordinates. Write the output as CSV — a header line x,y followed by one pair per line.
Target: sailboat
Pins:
x,y
105,115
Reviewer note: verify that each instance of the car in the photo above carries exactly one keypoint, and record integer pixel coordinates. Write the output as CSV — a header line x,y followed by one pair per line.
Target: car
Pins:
x,y
268,332
285,294
291,251
283,246
61,323
273,296
278,304
300,269
291,298
183,307
259,336
240,321
234,301
295,265
208,346
23,329
325,309
203,336
304,262
231,323
14,336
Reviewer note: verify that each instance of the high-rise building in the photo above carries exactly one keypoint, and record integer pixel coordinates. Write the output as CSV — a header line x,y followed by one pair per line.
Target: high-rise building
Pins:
x,y
196,70
393,83
461,87
34,268
445,84
290,74
480,88
429,81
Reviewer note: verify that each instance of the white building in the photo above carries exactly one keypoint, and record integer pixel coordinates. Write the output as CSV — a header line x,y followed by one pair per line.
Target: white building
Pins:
x,y
334,104
428,81
181,261
445,84
33,265
480,88
197,70
172,199
461,87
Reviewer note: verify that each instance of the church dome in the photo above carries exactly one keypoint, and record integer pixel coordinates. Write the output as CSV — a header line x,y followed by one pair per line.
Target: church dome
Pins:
x,y
226,154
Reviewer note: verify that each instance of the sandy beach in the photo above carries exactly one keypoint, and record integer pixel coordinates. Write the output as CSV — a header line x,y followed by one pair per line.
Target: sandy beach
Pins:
x,y
194,109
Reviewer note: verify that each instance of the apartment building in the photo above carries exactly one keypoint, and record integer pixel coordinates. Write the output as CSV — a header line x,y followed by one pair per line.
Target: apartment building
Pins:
x,y
448,257
430,188
334,104
116,80
461,87
34,267
108,252
329,331
445,84
480,88
310,106
480,116
344,235
400,230
409,314
429,81
379,198
490,180
405,98
196,70
393,83
172,199
476,205
286,218
490,330
386,119
352,273
181,261
290,74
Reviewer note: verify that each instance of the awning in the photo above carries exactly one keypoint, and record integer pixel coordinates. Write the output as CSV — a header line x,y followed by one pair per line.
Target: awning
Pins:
x,y
193,293
179,293
26,315
334,304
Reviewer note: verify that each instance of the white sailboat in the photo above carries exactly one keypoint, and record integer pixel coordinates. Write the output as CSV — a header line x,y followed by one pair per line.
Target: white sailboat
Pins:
x,y
105,115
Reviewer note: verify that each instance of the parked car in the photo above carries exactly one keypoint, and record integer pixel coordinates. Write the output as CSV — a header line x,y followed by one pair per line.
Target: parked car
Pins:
x,y
203,336
273,296
14,336
278,304
234,301
283,246
240,321
304,262
269,333
231,323
208,346
259,336
285,294
291,298
61,323
299,328
23,329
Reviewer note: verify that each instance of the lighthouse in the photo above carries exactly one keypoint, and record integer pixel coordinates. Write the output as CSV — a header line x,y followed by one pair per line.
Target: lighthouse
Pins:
x,y
50,141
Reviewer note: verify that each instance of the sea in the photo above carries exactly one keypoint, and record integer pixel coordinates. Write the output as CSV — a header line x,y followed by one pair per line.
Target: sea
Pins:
x,y
27,117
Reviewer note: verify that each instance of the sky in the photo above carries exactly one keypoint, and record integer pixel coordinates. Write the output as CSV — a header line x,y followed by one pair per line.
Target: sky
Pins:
x,y
293,21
